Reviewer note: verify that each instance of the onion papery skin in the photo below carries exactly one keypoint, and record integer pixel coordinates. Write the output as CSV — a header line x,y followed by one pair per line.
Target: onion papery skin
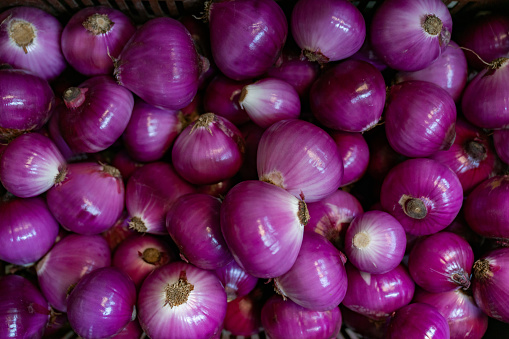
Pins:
x,y
24,311
420,118
486,208
301,158
465,319
160,64
285,319
449,71
418,320
222,98
489,283
26,101
270,220
471,156
89,200
140,254
243,314
67,262
331,216
423,194
270,100
246,36
102,303
399,38
199,315
43,55
27,230
317,279
151,131
375,242
363,325
150,192
349,97
93,37
485,102
367,54
30,165
441,262
378,295
209,150
99,118
501,143
332,31
354,151
194,224
237,282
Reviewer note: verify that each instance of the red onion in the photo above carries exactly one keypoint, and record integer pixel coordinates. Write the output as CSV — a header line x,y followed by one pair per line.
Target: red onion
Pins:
x,y
354,151
67,262
118,232
375,242
151,131
160,64
449,71
24,313
285,319
465,319
501,142
349,97
471,156
243,314
125,164
420,118
441,262
367,54
150,192
378,295
410,35
418,320
317,279
90,198
179,300
30,39
133,330
263,226
489,283
252,134
331,216
93,37
423,194
102,303
97,114
26,100
332,31
58,139
209,150
30,165
363,325
193,223
140,254
486,209
246,36
222,98
485,102
301,158
27,229
270,100
237,283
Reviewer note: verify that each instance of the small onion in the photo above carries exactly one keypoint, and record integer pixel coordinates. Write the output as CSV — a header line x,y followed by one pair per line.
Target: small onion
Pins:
x,y
418,320
243,314
354,151
237,283
102,303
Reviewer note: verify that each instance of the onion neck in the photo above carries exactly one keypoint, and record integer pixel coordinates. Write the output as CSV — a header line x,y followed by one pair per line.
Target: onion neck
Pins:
x,y
74,97
413,207
279,290
23,33
432,24
204,121
110,170
231,293
275,178
137,224
98,24
482,271
361,240
178,293
461,278
151,256
476,150
303,213
61,175
498,63
315,56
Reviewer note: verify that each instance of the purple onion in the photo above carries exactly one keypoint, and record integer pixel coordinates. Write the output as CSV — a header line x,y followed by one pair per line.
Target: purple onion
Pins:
x,y
246,36
58,139
67,262
102,303
354,151
418,320
117,233
237,282
93,37
89,199
125,164
30,165
420,118
501,142
423,194
27,229
243,314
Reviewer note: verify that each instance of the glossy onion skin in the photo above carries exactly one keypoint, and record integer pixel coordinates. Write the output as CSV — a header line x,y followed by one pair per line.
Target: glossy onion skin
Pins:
x,y
285,319
349,97
420,118
435,184
237,282
354,151
417,320
246,36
